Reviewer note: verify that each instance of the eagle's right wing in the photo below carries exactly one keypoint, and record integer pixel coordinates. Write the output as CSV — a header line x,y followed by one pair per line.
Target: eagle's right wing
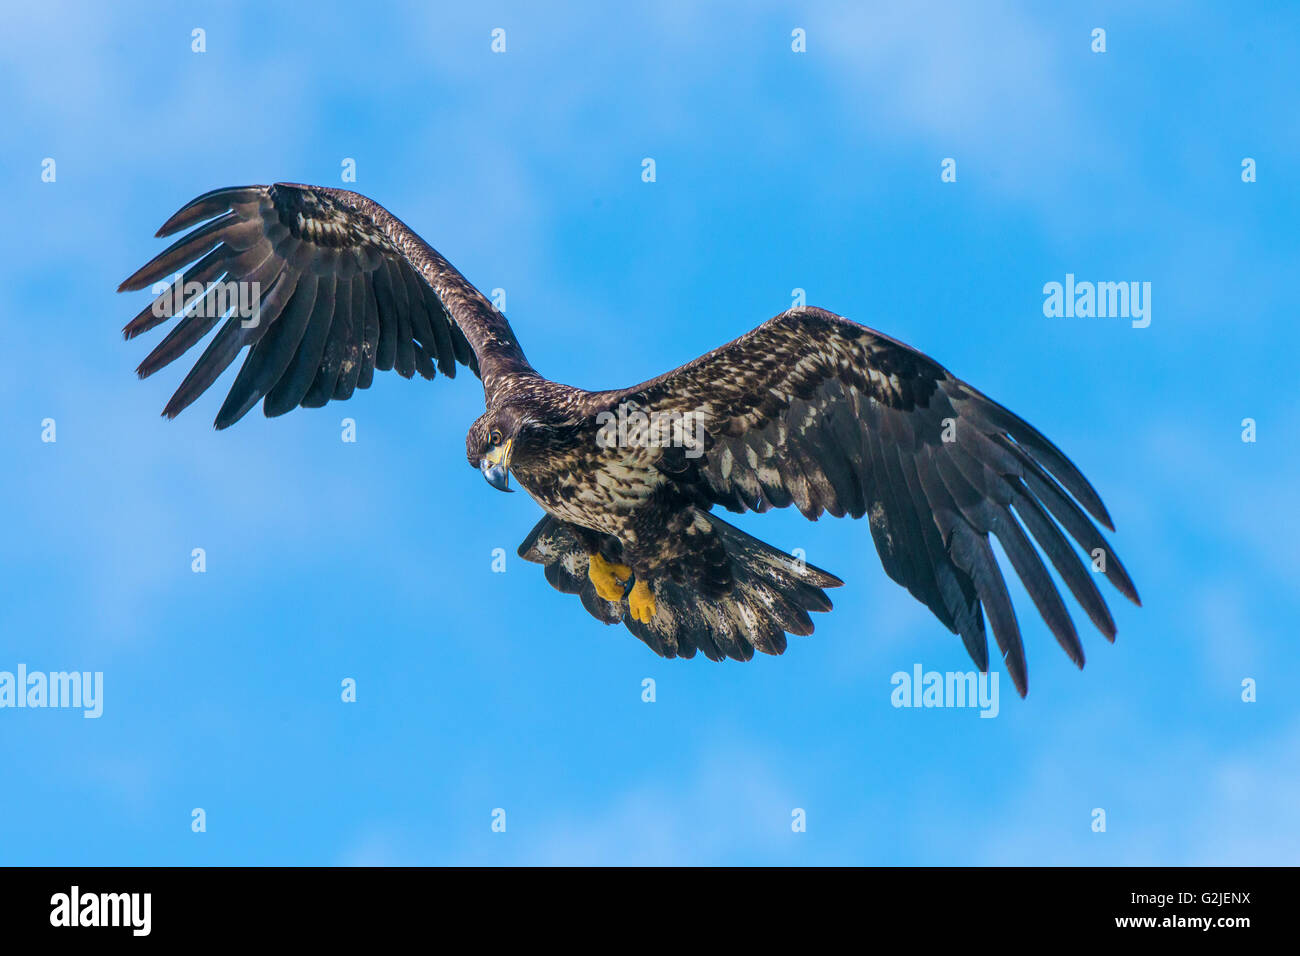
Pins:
x,y
343,287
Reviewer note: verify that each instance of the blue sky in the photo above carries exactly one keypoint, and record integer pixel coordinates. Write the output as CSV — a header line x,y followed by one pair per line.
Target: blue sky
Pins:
x,y
775,171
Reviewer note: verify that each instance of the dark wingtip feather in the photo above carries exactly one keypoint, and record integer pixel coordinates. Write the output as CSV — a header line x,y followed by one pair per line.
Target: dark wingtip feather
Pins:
x,y
211,203
1020,681
1117,574
146,321
975,639
186,249
1047,454
228,416
1013,658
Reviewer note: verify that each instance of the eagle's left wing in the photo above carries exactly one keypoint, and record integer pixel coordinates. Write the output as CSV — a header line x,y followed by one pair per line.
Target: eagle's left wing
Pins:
x,y
813,410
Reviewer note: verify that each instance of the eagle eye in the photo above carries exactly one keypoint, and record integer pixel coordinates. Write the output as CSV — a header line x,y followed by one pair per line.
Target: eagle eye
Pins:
x,y
494,437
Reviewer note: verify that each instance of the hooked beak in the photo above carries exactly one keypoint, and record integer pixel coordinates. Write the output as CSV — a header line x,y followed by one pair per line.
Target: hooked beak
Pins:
x,y
496,466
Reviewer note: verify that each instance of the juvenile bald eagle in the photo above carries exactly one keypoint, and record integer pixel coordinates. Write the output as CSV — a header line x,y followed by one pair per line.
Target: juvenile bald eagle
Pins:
x,y
808,409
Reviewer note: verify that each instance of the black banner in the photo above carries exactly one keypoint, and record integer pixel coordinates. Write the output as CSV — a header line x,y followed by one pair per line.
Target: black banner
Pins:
x,y
235,904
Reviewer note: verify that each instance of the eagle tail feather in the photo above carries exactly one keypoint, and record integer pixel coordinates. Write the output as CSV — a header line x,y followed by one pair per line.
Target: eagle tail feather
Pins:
x,y
772,595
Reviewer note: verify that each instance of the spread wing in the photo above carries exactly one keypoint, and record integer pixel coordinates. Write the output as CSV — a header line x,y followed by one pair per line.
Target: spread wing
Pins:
x,y
323,286
813,410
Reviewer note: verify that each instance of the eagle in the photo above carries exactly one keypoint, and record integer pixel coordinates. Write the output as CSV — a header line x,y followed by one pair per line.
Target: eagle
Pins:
x,y
809,409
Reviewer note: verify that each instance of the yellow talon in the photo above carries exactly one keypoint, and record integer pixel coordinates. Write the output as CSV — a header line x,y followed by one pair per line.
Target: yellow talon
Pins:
x,y
609,579
642,602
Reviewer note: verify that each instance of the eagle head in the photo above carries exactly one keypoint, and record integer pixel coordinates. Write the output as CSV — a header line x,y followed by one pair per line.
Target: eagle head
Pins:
x,y
489,445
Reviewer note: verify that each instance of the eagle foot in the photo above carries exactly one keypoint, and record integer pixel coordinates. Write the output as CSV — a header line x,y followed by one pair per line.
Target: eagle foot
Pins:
x,y
641,602
610,580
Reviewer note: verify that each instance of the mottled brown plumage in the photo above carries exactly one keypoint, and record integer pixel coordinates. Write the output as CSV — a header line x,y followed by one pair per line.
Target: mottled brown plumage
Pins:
x,y
809,410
